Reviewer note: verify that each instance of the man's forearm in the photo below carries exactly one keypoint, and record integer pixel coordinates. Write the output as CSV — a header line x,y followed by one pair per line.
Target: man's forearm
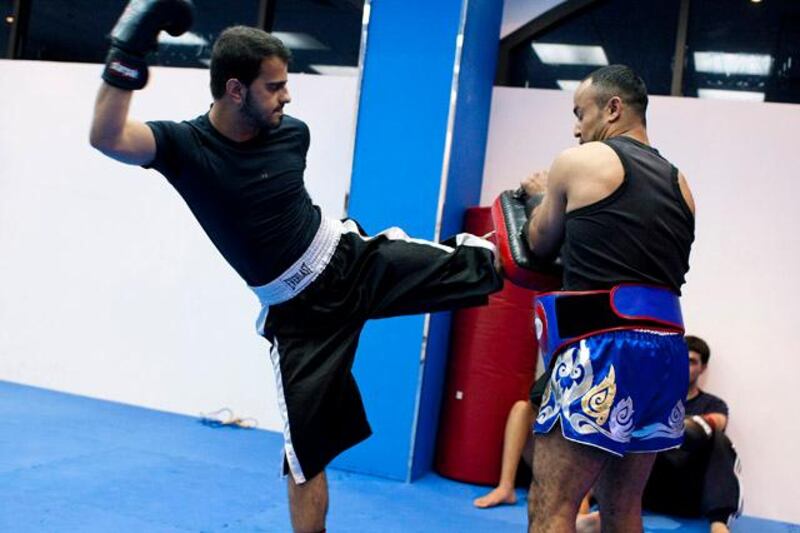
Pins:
x,y
116,135
709,421
110,114
543,244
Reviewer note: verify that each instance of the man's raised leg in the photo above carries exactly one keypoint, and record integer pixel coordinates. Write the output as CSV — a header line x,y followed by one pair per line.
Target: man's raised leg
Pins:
x,y
308,504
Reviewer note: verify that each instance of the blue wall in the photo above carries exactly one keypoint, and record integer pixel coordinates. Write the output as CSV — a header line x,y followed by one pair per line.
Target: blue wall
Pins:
x,y
397,173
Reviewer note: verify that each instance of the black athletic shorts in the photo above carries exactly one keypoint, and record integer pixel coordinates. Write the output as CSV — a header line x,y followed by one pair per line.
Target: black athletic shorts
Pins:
x,y
314,335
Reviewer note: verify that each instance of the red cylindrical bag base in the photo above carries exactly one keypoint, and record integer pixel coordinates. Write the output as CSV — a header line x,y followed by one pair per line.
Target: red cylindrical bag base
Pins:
x,y
492,365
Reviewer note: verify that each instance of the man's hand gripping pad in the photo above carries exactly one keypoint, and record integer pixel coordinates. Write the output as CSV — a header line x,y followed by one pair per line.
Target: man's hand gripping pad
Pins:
x,y
510,216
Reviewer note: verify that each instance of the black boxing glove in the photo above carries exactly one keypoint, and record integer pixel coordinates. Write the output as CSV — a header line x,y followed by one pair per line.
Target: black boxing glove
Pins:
x,y
136,34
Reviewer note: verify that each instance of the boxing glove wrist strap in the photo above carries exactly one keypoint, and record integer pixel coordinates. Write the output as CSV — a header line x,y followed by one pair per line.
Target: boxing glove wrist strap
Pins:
x,y
125,70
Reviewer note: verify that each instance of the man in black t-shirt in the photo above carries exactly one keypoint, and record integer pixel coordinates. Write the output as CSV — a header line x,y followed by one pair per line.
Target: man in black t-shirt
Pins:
x,y
699,479
240,169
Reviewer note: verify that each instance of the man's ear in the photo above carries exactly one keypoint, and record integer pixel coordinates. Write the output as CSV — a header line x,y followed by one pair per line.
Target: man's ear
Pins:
x,y
236,90
614,108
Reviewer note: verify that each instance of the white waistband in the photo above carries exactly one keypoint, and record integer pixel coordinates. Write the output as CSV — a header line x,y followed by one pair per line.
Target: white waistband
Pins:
x,y
306,269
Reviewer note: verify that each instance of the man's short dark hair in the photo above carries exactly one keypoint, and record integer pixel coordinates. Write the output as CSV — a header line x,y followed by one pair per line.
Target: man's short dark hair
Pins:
x,y
622,81
696,344
238,53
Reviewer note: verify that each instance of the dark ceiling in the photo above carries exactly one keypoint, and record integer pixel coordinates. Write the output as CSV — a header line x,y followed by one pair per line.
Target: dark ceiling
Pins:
x,y
335,23
640,33
77,30
643,35
6,10
770,27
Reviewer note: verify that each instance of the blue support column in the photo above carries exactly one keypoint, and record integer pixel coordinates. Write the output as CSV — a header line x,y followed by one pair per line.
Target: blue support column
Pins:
x,y
464,179
401,159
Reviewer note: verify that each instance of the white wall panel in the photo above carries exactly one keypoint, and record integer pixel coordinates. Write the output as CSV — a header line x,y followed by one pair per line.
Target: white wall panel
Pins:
x,y
108,286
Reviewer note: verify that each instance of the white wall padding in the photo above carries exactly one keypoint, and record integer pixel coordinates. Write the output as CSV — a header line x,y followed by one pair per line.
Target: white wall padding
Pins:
x,y
108,287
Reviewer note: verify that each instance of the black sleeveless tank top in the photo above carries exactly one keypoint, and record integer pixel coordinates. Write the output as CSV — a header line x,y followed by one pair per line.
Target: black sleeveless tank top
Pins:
x,y
641,233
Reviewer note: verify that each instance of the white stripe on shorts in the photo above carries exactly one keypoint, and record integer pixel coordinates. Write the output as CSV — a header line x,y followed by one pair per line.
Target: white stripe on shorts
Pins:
x,y
397,234
288,447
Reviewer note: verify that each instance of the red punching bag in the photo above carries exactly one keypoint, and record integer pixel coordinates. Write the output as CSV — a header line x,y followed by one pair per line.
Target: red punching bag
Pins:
x,y
492,364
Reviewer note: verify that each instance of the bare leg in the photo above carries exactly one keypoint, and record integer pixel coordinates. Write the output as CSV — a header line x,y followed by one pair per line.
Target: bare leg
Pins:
x,y
619,491
563,472
308,504
719,527
518,431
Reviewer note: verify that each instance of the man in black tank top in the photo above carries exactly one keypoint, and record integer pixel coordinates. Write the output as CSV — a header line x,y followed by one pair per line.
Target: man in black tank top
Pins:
x,y
622,218
239,168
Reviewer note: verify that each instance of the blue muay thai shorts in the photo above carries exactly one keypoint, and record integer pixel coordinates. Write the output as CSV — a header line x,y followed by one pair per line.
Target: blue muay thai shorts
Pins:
x,y
619,367
620,391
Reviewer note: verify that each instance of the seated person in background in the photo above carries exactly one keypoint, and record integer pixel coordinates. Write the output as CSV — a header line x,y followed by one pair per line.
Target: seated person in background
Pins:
x,y
699,479
518,444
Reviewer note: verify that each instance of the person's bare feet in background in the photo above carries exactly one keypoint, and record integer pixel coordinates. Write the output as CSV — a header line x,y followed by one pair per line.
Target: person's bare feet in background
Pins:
x,y
719,527
517,444
498,496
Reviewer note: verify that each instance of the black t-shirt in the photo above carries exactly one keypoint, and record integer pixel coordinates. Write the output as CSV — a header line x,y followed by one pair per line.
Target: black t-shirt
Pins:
x,y
249,197
705,403
641,233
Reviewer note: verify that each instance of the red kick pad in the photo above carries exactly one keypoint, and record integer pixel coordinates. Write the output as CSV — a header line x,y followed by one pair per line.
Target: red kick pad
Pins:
x,y
520,266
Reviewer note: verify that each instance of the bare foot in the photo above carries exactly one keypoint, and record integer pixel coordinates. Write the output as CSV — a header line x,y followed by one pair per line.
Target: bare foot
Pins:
x,y
498,496
588,523
719,527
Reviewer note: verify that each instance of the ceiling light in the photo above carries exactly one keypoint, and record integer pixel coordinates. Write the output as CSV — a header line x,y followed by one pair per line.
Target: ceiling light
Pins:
x,y
724,63
720,94
568,85
187,39
299,41
570,54
10,19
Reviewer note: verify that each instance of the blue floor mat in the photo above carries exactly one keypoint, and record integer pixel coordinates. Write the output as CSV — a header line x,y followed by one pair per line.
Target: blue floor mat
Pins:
x,y
74,464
